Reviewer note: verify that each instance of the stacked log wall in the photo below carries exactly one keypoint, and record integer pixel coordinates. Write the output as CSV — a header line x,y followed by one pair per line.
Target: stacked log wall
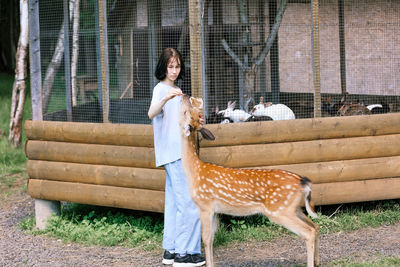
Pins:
x,y
349,159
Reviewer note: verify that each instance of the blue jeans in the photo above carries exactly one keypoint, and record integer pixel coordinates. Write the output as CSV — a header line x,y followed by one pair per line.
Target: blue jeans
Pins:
x,y
182,227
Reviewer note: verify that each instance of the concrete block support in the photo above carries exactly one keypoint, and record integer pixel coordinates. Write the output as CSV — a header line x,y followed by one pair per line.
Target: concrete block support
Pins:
x,y
43,210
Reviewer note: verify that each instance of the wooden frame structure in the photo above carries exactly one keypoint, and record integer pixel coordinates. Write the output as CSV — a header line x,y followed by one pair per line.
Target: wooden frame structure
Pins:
x,y
349,159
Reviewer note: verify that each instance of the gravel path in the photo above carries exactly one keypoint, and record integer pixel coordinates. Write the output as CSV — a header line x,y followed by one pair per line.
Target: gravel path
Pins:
x,y
20,249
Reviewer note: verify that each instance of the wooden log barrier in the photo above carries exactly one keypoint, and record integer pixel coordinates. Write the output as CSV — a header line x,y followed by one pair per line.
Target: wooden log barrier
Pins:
x,y
303,152
302,130
230,156
102,195
152,179
150,200
226,134
346,170
138,135
356,191
141,157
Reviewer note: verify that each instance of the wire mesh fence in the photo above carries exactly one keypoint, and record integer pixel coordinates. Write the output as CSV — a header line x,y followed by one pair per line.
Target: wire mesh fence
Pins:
x,y
256,55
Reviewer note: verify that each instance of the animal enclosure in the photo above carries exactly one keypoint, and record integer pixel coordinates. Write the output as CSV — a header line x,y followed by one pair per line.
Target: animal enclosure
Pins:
x,y
92,76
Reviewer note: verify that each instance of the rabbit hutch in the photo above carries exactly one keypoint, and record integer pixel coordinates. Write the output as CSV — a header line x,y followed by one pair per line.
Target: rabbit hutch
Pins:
x,y
303,85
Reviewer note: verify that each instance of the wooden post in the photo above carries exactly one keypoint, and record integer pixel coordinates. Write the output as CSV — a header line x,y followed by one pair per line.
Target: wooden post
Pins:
x,y
196,63
342,47
43,208
34,60
67,61
154,37
274,55
316,58
103,50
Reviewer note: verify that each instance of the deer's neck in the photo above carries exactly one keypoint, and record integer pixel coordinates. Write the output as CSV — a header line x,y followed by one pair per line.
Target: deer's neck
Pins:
x,y
190,159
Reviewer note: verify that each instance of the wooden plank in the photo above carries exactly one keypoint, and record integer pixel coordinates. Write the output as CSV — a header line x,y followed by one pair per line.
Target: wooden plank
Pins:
x,y
346,170
34,60
151,200
356,191
152,179
303,152
196,63
141,157
110,196
226,134
302,129
139,135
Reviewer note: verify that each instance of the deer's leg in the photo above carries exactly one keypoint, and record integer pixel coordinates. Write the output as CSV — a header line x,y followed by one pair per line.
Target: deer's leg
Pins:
x,y
302,216
207,232
292,222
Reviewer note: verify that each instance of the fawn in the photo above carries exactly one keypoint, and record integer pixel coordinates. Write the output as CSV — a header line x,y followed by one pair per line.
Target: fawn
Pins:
x,y
278,194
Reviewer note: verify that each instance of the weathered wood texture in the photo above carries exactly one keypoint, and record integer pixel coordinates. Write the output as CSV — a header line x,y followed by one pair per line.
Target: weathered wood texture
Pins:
x,y
153,179
101,195
196,63
348,159
139,135
227,134
142,157
303,151
356,191
152,200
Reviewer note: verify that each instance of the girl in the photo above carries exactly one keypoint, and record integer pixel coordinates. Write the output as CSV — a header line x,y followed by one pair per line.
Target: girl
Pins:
x,y
182,228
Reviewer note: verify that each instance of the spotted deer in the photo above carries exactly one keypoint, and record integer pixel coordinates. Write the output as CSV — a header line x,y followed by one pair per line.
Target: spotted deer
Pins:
x,y
277,194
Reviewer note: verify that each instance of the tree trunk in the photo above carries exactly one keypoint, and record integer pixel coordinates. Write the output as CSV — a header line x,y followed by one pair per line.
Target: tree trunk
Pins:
x,y
18,94
55,62
75,51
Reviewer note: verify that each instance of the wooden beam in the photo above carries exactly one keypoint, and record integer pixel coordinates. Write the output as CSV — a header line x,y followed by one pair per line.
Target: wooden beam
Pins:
x,y
196,66
226,134
151,200
346,170
356,191
67,60
103,50
34,60
316,57
302,129
140,157
139,135
110,196
303,152
152,179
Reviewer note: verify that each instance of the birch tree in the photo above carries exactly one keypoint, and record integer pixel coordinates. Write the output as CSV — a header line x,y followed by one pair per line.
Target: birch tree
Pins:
x,y
19,86
55,62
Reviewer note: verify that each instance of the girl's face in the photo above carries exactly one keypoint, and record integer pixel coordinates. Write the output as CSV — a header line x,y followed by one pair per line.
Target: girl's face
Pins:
x,y
173,69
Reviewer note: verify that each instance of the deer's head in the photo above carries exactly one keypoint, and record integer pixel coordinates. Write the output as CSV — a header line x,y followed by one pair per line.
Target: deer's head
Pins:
x,y
192,117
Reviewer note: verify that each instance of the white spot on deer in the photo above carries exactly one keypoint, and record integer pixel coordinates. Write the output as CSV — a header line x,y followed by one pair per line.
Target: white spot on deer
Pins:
x,y
288,186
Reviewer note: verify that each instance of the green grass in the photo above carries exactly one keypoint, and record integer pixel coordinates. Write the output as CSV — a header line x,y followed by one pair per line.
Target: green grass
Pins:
x,y
102,226
12,159
108,227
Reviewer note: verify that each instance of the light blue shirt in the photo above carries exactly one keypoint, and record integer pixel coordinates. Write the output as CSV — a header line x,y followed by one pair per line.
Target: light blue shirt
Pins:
x,y
167,138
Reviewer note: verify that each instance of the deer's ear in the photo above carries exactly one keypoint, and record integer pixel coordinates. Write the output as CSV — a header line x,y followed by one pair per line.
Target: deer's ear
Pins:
x,y
207,134
196,102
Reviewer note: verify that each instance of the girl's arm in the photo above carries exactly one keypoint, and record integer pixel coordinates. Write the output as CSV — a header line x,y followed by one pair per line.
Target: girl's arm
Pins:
x,y
157,106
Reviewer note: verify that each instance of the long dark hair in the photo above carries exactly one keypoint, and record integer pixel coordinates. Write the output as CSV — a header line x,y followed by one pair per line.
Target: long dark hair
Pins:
x,y
166,55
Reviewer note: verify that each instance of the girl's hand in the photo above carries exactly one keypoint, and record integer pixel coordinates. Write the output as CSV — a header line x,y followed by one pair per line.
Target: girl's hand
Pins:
x,y
172,93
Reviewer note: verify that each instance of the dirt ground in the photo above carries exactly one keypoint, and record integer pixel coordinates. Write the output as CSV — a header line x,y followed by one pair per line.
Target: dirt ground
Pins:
x,y
19,249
